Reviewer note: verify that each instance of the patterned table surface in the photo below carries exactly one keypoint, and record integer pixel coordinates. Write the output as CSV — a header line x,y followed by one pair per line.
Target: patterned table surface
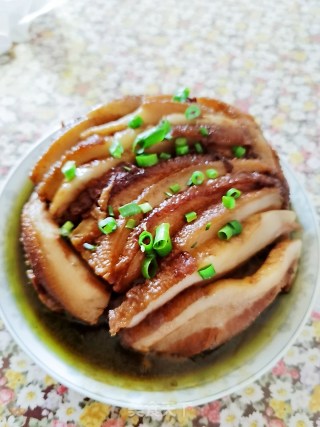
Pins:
x,y
262,56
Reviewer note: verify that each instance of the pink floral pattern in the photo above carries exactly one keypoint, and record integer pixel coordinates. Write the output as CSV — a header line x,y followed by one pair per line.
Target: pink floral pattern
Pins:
x,y
261,56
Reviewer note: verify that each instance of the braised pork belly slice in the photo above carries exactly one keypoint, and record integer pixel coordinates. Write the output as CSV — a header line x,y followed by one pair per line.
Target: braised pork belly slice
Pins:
x,y
57,269
172,211
115,109
151,183
71,135
90,149
57,149
203,318
258,231
196,233
151,112
94,148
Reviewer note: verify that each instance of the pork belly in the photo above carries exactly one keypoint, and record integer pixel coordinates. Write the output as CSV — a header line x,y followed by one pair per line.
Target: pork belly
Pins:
x,y
195,234
65,280
258,232
56,150
172,211
90,149
203,318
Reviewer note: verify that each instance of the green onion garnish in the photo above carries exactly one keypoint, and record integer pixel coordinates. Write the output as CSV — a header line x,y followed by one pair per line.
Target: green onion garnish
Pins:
x,y
182,95
151,136
107,225
238,151
110,211
193,245
131,223
233,192
145,207
127,168
208,225
190,216
66,229
207,272
165,156
237,227
180,142
175,188
233,228
129,209
145,241
192,112
69,170
89,246
197,177
225,233
212,173
182,151
135,122
204,131
149,267
228,202
147,160
198,147
116,149
162,241
168,194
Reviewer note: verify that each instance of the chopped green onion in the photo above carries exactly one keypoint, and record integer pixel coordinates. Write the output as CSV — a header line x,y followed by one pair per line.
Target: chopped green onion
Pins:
x,y
233,228
66,229
190,216
89,246
192,112
233,192
175,188
127,168
181,151
193,245
204,131
110,211
145,207
129,209
168,194
69,170
207,272
198,147
228,202
208,225
149,266
180,142
225,233
147,160
212,173
131,223
197,177
182,95
145,241
239,151
116,149
135,122
152,136
165,156
162,241
237,227
107,225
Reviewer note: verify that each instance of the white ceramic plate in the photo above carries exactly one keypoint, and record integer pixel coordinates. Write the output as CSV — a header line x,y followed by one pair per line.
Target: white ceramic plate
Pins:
x,y
230,368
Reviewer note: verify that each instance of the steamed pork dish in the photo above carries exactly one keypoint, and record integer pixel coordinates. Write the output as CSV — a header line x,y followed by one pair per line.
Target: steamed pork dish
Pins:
x,y
168,216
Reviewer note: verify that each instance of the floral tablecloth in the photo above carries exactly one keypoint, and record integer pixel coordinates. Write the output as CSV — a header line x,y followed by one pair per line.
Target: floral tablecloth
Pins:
x,y
262,56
